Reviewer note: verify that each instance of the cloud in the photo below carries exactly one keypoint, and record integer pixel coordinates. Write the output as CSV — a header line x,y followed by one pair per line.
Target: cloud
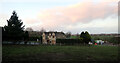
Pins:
x,y
69,17
3,19
84,12
30,21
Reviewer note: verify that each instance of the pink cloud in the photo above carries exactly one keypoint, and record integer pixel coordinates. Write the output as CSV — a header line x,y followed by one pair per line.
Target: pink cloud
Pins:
x,y
83,12
30,21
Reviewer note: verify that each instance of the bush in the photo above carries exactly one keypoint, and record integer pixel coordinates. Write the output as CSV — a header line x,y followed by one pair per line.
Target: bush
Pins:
x,y
69,41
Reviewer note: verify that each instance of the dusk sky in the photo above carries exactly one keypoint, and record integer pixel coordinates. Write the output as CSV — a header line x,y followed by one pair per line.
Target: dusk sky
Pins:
x,y
94,16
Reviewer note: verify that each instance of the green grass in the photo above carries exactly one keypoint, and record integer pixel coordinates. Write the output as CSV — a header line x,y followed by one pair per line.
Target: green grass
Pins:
x,y
74,37
59,53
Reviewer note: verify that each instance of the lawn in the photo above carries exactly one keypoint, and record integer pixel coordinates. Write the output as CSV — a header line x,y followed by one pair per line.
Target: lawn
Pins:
x,y
59,53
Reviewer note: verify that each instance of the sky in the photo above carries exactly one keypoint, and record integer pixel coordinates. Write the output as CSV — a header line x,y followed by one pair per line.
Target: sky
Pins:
x,y
75,16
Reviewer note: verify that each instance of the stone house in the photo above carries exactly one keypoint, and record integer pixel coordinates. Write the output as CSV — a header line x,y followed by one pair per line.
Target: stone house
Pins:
x,y
50,37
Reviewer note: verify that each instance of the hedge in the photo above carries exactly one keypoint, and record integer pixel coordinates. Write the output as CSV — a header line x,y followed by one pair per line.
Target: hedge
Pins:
x,y
34,38
69,41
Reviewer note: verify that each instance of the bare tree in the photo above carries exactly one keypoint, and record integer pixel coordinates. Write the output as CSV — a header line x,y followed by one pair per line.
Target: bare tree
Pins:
x,y
42,30
29,29
68,34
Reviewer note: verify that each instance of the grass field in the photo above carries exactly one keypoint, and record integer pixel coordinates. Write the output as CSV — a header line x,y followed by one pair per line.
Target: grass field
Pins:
x,y
59,53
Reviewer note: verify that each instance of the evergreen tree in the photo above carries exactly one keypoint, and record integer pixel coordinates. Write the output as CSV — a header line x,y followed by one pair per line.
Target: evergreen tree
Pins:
x,y
14,29
86,37
82,34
